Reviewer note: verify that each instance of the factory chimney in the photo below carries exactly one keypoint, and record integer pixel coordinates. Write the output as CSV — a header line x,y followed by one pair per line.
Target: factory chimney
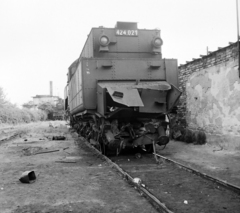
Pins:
x,y
51,89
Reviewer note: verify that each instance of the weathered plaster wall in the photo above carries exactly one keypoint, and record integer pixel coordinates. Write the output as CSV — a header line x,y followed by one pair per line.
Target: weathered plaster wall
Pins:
x,y
211,96
213,99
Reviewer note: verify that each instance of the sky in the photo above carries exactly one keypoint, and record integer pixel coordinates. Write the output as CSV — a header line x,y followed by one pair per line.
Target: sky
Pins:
x,y
39,39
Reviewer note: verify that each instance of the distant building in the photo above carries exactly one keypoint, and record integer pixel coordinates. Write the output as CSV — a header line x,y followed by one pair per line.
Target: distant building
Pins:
x,y
52,105
39,99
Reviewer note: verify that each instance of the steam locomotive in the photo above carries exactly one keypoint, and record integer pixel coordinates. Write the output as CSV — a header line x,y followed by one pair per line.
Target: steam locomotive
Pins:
x,y
120,90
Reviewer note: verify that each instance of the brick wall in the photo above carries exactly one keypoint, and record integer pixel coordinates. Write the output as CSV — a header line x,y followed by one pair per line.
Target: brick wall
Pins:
x,y
210,87
220,56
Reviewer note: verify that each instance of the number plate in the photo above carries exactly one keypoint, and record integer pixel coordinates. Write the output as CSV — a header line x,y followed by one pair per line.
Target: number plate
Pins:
x,y
127,32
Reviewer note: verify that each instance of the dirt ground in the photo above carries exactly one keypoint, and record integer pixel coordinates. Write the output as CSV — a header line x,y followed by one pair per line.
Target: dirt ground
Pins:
x,y
73,179
211,159
69,179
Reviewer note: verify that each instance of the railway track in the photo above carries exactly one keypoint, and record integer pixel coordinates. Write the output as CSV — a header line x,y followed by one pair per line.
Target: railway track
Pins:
x,y
223,183
173,187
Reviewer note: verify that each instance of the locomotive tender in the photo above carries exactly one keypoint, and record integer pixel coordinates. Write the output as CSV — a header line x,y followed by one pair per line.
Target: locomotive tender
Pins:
x,y
120,90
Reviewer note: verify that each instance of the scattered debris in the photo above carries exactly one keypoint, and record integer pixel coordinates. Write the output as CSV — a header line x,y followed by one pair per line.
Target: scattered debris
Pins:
x,y
58,138
31,150
71,159
137,181
66,148
67,152
28,177
65,161
217,150
138,155
44,152
26,142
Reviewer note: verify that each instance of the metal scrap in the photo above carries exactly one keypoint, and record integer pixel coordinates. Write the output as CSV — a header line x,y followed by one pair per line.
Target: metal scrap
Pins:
x,y
63,161
44,152
28,177
58,138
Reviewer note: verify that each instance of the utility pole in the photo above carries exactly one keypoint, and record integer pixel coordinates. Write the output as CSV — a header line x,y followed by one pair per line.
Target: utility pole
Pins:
x,y
238,45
